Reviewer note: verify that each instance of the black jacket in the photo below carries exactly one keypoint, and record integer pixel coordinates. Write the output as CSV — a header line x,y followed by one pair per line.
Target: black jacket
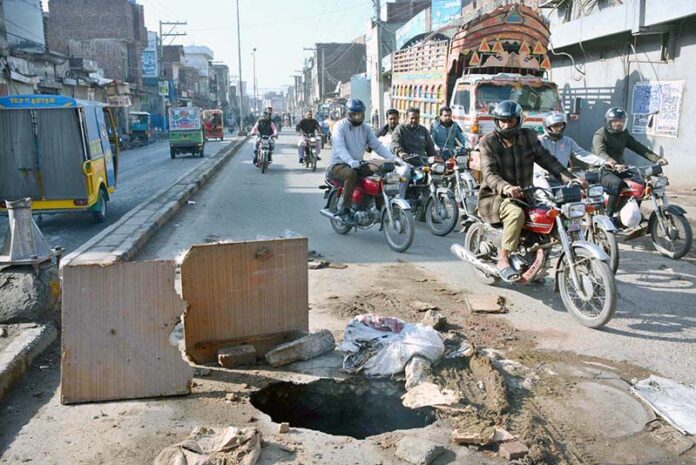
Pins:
x,y
612,145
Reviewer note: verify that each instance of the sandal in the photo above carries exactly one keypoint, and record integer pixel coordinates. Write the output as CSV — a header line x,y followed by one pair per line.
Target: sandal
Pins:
x,y
509,274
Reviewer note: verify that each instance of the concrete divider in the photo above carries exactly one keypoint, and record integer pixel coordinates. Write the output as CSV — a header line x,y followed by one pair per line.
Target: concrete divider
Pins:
x,y
122,240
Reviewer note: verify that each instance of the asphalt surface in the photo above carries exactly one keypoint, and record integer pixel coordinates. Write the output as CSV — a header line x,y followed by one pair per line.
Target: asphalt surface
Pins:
x,y
143,171
654,326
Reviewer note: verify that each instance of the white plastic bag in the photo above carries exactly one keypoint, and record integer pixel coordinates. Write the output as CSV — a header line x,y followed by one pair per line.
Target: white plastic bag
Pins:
x,y
630,214
384,352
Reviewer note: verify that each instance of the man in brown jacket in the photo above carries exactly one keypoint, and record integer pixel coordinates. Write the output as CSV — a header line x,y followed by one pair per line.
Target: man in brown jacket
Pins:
x,y
507,163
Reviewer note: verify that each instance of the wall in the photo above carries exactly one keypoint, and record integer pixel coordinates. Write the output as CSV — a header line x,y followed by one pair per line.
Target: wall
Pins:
x,y
611,71
113,56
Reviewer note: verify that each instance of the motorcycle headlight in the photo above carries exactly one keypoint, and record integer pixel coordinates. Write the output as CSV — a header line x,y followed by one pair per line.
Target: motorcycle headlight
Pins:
x,y
312,139
438,168
574,210
660,181
595,191
392,178
462,160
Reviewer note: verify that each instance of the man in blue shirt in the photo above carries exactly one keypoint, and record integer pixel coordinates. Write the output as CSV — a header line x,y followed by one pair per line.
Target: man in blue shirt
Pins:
x,y
446,133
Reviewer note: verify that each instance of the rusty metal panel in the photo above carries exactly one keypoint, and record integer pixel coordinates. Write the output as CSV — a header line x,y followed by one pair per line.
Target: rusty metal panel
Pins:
x,y
243,292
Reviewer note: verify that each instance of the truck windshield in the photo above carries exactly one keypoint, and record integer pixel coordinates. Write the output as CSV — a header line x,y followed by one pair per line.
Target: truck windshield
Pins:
x,y
532,98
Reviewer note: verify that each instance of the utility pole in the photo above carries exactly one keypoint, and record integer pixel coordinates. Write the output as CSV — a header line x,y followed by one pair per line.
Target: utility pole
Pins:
x,y
242,132
160,64
323,70
256,97
380,81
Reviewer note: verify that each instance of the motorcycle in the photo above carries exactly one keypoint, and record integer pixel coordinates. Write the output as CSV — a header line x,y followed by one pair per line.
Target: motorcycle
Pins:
x,y
460,180
581,272
670,231
428,194
310,157
263,153
378,203
598,228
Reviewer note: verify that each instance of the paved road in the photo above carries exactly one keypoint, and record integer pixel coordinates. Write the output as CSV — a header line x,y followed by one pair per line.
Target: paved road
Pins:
x,y
142,172
655,325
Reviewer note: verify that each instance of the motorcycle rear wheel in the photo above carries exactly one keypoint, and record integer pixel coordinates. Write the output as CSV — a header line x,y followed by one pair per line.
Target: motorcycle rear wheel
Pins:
x,y
472,243
332,205
442,226
672,248
598,281
399,236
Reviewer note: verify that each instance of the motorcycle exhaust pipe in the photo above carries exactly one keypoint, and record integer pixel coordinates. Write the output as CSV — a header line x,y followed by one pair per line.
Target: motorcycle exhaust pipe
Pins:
x,y
467,256
328,213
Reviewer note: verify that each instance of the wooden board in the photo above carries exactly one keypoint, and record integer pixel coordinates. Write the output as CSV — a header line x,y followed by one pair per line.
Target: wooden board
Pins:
x,y
243,291
117,320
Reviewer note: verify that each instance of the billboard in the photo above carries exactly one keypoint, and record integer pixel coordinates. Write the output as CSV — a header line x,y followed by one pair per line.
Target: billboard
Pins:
x,y
419,24
149,57
443,12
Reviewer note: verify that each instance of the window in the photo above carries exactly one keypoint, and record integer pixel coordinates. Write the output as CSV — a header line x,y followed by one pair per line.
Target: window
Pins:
x,y
462,97
541,98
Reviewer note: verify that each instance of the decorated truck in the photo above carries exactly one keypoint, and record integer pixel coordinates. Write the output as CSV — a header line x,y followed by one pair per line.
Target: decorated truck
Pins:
x,y
498,56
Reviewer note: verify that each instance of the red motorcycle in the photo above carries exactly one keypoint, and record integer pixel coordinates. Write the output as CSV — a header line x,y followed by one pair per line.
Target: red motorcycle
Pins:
x,y
582,273
667,225
377,203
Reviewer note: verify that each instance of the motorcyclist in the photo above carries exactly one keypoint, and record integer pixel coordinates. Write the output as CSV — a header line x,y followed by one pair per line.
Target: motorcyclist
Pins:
x,y
563,148
308,125
408,139
610,141
508,155
349,139
264,127
392,123
446,133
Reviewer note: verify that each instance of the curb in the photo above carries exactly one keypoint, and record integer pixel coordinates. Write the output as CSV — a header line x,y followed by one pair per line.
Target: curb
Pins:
x,y
18,356
123,239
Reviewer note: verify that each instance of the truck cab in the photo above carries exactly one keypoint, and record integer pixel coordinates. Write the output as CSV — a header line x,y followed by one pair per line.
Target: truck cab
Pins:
x,y
474,95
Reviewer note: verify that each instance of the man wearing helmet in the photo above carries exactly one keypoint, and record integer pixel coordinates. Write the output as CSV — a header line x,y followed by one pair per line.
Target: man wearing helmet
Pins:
x,y
507,163
610,142
349,140
563,148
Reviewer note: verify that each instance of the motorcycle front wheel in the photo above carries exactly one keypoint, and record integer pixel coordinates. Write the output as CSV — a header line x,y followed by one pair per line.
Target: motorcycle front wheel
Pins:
x,y
596,307
314,161
677,242
441,215
608,242
332,205
399,234
264,162
472,243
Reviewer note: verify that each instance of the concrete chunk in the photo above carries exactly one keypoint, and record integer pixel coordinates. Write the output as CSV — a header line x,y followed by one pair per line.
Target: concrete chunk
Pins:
x,y
418,451
487,303
230,357
513,450
304,348
434,319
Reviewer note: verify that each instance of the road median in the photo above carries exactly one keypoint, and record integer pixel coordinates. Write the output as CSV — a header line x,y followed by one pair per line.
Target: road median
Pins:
x,y
122,240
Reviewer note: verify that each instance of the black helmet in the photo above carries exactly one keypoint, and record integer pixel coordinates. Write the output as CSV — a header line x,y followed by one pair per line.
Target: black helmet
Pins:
x,y
552,119
615,114
507,109
356,111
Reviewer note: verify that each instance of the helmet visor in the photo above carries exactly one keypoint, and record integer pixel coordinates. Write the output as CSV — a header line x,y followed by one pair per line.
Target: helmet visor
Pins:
x,y
356,117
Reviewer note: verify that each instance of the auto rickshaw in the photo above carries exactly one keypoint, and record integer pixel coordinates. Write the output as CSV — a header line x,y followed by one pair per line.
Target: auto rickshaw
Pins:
x,y
185,131
213,125
139,126
56,151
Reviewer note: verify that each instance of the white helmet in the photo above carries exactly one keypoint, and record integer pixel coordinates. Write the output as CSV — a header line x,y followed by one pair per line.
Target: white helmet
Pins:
x,y
630,214
552,119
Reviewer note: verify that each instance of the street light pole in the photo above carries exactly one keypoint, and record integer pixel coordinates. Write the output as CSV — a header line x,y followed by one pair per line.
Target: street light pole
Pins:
x,y
242,132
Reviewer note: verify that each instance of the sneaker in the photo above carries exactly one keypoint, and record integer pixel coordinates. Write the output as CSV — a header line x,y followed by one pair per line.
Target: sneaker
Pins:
x,y
301,160
318,158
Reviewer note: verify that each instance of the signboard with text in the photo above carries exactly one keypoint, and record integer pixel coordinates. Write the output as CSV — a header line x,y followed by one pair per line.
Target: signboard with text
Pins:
x,y
656,107
419,24
443,12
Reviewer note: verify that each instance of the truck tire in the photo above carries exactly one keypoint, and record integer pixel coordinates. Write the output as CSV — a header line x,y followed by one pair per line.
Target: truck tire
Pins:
x,y
172,153
99,214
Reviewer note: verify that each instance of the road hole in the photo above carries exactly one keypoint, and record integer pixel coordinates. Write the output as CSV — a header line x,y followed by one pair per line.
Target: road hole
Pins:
x,y
351,408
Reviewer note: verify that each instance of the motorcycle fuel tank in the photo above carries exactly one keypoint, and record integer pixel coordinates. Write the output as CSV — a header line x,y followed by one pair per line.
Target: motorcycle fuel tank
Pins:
x,y
538,221
369,186
637,188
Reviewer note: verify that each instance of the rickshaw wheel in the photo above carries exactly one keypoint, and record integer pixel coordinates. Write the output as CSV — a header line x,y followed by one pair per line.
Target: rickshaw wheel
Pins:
x,y
172,153
100,213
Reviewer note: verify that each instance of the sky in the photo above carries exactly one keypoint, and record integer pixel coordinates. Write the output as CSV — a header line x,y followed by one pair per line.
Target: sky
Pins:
x,y
278,29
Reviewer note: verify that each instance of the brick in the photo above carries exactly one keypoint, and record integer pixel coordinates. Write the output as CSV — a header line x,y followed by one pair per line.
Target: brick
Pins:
x,y
487,304
304,348
230,357
513,450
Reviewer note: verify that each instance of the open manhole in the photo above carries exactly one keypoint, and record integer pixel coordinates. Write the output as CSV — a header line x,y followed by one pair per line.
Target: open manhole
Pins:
x,y
357,409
